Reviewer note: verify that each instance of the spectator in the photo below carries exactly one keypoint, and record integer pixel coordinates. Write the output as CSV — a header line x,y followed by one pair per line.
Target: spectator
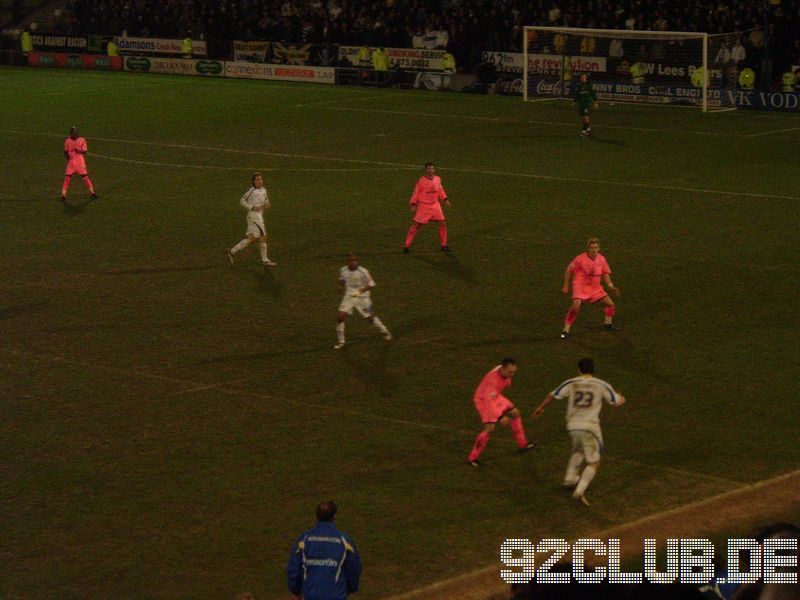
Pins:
x,y
615,48
723,55
554,14
466,27
324,563
738,53
418,39
442,38
430,37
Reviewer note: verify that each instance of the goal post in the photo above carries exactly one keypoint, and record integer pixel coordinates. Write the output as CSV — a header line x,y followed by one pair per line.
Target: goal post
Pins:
x,y
660,67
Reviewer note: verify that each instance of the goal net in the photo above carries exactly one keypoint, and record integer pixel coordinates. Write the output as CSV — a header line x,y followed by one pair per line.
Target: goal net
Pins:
x,y
662,67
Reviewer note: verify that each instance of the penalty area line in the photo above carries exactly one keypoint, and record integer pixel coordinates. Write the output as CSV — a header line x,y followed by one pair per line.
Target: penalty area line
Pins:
x,y
241,389
151,163
629,184
751,135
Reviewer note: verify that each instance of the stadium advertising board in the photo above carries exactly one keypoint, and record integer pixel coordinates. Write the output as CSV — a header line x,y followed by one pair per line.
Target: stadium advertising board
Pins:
x,y
665,71
784,101
66,43
157,45
250,51
98,62
624,92
175,66
248,70
511,62
419,59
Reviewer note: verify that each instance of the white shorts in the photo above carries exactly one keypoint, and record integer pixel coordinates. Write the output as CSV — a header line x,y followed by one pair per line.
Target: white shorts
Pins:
x,y
363,304
256,229
588,444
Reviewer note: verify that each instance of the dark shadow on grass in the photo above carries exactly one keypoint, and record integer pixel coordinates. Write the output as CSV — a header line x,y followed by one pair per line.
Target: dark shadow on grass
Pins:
x,y
370,367
145,270
267,354
617,346
597,339
121,326
517,339
449,264
269,283
10,312
362,256
71,209
602,140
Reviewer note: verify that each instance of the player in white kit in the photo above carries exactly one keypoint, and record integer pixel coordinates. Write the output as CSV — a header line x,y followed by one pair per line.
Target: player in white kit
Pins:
x,y
355,284
254,200
585,395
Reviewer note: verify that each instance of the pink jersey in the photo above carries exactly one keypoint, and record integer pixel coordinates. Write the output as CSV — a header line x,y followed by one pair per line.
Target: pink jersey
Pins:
x,y
491,386
428,190
587,272
76,162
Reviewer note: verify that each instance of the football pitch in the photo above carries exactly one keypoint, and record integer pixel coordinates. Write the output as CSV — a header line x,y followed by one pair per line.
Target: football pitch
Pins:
x,y
169,423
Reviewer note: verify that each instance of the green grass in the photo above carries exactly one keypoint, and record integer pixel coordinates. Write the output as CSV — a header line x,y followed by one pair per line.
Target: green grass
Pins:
x,y
120,479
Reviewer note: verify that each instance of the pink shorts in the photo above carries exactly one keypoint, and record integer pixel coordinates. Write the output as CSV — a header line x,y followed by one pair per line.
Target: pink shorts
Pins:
x,y
73,169
428,212
491,410
590,295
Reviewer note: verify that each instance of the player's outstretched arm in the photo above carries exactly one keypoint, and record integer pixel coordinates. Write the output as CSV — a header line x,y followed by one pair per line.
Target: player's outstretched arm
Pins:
x,y
620,401
545,403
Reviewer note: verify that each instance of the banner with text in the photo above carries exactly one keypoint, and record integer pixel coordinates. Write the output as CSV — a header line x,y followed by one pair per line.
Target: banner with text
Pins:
x,y
175,66
417,59
511,62
248,70
75,61
139,45
784,101
254,52
66,43
626,92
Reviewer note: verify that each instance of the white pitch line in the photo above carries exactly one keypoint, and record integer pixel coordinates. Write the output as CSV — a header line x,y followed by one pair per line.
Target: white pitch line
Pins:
x,y
195,385
229,150
628,184
226,387
610,532
522,121
86,90
219,168
199,388
771,132
339,100
649,186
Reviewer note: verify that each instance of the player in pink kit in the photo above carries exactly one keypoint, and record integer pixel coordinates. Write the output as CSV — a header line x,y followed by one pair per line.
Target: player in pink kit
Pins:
x,y
586,271
74,151
426,207
492,406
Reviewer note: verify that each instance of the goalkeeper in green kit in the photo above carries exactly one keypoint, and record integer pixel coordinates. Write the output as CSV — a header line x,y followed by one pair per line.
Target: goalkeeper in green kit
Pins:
x,y
587,101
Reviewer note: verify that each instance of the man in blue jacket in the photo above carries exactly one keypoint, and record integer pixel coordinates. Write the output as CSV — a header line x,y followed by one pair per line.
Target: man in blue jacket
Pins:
x,y
324,564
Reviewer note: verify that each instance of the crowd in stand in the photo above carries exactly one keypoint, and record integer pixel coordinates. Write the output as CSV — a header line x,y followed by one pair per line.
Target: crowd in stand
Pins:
x,y
465,27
